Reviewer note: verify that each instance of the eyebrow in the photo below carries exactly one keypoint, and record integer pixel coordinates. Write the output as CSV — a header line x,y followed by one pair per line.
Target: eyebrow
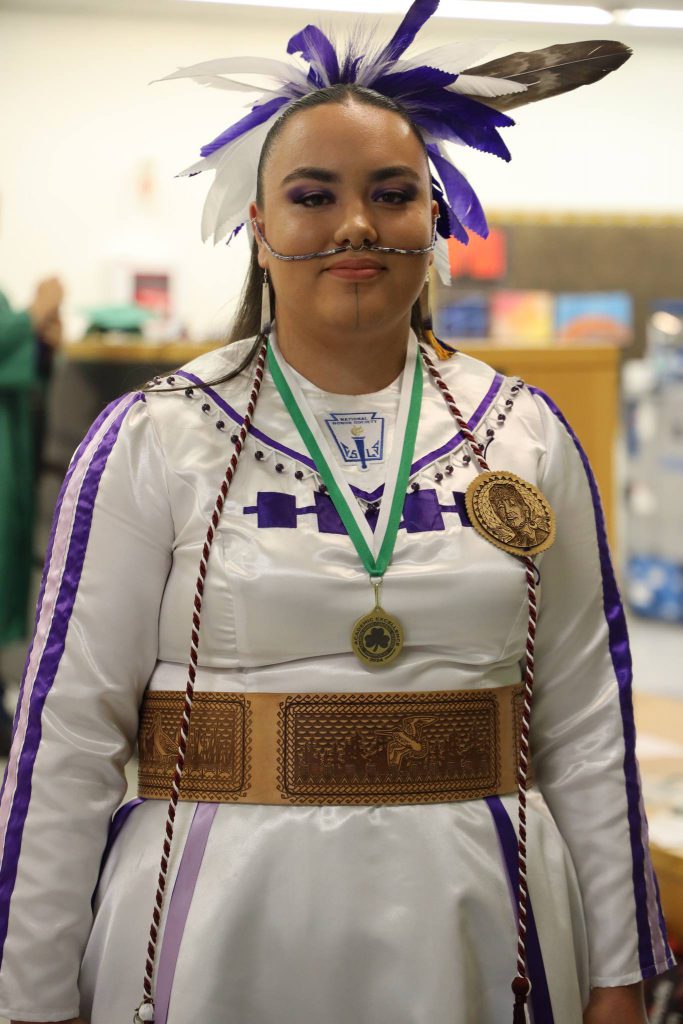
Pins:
x,y
321,174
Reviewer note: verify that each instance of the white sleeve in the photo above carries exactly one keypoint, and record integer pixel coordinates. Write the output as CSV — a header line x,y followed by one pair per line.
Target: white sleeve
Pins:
x,y
94,647
583,734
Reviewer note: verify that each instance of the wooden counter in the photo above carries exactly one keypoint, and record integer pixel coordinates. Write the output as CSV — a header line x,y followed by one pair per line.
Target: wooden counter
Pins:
x,y
128,349
659,722
582,380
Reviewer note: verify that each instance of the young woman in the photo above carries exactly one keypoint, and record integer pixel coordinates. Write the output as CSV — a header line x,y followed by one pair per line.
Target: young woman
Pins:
x,y
345,845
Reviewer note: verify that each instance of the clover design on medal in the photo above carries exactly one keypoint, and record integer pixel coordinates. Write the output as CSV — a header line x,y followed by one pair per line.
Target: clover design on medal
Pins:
x,y
377,638
510,513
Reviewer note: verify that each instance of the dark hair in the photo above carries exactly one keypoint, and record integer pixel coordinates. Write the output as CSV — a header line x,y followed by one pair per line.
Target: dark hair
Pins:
x,y
247,318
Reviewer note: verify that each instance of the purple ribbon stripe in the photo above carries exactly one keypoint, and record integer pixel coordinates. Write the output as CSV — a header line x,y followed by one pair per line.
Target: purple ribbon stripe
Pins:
x,y
52,622
621,660
179,905
507,837
305,460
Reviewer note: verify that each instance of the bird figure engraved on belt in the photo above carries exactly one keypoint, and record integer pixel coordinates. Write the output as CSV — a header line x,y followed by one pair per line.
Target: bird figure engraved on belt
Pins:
x,y
406,740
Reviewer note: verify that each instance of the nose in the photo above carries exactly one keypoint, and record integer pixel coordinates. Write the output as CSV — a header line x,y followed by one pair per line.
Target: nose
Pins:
x,y
355,228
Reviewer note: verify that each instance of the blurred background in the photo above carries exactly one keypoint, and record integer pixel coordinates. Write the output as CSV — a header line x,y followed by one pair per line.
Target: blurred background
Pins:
x,y
105,281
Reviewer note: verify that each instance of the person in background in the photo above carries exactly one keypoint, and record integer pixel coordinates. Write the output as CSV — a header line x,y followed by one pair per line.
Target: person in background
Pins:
x,y
28,340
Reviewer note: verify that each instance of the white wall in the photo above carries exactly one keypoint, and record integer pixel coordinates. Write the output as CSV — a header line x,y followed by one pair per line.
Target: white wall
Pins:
x,y
80,127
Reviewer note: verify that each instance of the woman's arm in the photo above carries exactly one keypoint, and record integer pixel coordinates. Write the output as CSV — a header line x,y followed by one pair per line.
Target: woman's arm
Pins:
x,y
582,731
93,651
623,1004
74,1020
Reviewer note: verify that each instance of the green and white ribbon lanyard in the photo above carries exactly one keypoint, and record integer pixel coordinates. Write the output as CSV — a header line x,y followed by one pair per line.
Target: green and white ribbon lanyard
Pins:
x,y
376,638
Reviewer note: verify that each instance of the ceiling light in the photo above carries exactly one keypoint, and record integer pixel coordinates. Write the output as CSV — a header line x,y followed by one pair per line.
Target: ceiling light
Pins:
x,y
649,17
472,10
497,10
353,6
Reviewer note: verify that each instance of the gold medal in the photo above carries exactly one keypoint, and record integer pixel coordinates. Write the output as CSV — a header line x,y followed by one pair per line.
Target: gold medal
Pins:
x,y
510,513
377,638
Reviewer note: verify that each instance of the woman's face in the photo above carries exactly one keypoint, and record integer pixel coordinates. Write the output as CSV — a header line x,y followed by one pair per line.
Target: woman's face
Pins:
x,y
343,174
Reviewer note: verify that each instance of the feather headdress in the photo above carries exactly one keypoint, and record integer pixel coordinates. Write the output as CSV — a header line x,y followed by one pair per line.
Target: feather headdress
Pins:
x,y
448,94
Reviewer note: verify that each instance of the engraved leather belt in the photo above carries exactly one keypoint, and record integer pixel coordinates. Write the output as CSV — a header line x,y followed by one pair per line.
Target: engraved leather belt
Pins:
x,y
333,748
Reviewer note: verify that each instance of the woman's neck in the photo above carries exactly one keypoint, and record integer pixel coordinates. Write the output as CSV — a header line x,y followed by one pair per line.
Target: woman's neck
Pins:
x,y
346,363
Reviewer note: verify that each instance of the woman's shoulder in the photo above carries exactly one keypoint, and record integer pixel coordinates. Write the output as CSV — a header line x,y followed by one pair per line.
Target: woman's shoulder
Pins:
x,y
197,396
472,381
495,400
210,374
211,366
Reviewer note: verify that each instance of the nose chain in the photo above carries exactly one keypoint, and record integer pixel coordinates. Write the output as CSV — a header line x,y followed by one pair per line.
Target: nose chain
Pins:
x,y
386,249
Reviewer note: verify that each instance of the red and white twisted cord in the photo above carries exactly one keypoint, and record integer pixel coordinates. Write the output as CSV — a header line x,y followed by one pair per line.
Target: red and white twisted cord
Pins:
x,y
521,985
145,1012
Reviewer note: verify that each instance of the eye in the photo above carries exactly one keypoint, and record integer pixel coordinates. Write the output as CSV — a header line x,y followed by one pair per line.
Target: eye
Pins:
x,y
312,199
394,197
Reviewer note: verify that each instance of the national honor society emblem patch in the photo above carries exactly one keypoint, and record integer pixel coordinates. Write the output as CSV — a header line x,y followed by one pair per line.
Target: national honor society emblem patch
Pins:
x,y
359,436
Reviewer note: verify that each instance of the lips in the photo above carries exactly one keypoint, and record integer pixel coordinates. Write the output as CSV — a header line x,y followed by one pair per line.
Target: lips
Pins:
x,y
363,264
357,270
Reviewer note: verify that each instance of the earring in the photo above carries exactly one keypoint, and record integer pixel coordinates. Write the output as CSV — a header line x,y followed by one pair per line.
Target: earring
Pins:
x,y
265,304
442,351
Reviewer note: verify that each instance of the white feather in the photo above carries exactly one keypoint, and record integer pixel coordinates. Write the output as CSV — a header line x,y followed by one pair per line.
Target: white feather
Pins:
x,y
214,198
429,139
452,57
217,191
234,184
230,84
279,69
481,85
207,163
230,212
441,261
240,217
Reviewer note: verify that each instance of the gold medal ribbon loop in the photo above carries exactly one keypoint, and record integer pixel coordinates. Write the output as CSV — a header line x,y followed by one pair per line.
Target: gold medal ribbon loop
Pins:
x,y
376,638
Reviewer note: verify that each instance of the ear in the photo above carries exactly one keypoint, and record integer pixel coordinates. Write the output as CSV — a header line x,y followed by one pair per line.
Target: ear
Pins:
x,y
255,214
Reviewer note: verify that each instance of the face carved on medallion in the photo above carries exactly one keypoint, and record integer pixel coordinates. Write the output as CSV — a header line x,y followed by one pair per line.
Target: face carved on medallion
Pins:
x,y
510,513
516,516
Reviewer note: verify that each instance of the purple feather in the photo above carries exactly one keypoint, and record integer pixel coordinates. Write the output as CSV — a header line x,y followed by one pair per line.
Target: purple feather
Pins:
x,y
447,223
460,194
454,117
454,103
417,80
350,73
486,140
316,48
258,115
234,233
415,17
448,115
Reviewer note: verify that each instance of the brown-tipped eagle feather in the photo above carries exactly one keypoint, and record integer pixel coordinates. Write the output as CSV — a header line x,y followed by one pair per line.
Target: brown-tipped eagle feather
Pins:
x,y
552,70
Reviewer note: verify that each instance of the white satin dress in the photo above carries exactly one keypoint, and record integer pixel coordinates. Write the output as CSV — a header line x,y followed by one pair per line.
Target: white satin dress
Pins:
x,y
305,914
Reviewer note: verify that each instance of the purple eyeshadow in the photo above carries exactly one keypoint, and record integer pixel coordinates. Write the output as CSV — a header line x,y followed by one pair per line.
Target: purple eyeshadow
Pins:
x,y
305,190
